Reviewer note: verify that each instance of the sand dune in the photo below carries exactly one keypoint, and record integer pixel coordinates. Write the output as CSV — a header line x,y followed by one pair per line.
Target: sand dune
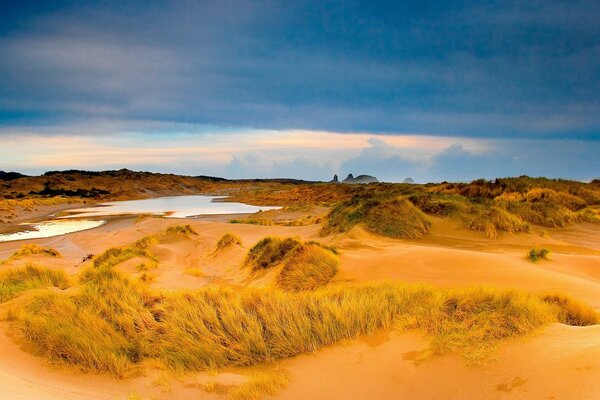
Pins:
x,y
559,362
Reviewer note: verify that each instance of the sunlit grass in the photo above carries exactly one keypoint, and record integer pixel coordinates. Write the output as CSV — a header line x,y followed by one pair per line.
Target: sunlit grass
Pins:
x,y
112,325
32,249
227,240
308,267
15,281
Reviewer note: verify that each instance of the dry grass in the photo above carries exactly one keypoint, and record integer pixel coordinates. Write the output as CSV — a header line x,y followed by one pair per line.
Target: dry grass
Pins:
x,y
308,267
259,385
572,312
398,219
269,252
182,230
31,249
393,217
113,324
18,280
492,220
228,239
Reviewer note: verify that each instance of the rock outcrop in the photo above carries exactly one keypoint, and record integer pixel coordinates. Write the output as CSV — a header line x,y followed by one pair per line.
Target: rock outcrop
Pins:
x,y
360,179
408,180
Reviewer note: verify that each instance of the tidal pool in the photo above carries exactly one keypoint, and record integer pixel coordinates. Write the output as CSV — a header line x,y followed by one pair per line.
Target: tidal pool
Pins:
x,y
172,207
51,228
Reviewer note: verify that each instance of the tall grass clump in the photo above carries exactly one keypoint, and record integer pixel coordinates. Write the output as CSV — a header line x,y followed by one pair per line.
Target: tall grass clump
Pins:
x,y
308,267
32,249
269,252
182,230
572,312
116,255
18,280
228,239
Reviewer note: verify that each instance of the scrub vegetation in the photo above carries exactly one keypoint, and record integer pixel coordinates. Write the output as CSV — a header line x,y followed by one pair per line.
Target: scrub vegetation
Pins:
x,y
32,249
113,324
15,281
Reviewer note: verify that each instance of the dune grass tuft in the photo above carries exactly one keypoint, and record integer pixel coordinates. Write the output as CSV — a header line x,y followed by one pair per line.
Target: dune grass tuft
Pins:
x,y
269,252
227,240
308,267
31,249
115,255
18,280
572,312
182,230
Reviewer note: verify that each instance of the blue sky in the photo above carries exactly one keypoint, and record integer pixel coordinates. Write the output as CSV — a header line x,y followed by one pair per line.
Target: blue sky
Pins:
x,y
433,90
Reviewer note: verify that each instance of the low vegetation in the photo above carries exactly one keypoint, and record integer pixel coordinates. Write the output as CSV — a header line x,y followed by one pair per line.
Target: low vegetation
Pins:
x,y
32,249
227,240
269,252
308,267
398,219
15,281
492,220
300,266
535,255
113,324
182,230
393,217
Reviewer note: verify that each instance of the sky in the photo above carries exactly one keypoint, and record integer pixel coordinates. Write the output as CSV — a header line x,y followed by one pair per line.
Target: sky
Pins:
x,y
444,90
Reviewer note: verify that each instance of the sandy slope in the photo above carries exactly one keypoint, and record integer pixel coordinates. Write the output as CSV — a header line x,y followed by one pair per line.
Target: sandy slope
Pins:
x,y
561,362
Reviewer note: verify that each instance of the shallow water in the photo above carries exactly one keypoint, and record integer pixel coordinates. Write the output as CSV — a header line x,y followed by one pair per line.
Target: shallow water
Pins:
x,y
51,228
172,207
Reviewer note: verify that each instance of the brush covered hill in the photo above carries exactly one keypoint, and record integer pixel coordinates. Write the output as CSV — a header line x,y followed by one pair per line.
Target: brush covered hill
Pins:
x,y
392,217
490,207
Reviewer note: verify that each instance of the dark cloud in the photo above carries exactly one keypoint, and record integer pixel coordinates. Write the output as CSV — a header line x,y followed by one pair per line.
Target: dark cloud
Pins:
x,y
484,69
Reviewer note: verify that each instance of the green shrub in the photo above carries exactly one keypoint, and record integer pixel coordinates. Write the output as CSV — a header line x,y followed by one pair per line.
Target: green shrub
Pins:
x,y
535,255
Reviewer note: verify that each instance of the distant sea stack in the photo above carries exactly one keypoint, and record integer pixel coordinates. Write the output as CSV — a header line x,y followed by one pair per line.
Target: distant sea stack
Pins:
x,y
358,179
335,179
408,180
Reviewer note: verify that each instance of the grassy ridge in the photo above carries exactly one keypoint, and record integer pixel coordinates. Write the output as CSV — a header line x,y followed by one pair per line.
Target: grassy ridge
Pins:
x,y
388,216
112,325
